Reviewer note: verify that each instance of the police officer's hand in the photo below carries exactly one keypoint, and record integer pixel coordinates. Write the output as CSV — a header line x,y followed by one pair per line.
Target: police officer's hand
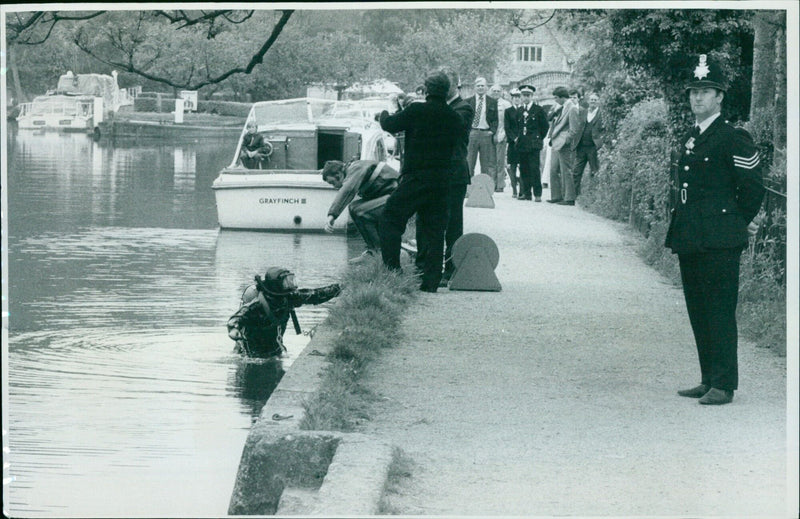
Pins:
x,y
329,225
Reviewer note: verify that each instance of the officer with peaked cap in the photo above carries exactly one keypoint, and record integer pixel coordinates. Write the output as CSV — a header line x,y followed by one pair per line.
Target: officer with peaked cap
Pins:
x,y
531,129
717,191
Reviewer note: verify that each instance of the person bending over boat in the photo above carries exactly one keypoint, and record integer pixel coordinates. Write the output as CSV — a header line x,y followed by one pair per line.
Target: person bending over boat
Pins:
x,y
259,324
364,186
254,149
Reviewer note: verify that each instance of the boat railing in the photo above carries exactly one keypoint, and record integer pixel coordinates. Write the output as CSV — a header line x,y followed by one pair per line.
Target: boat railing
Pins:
x,y
238,169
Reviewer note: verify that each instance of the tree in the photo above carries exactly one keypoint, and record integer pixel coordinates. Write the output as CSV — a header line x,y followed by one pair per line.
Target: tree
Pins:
x,y
451,43
666,43
157,44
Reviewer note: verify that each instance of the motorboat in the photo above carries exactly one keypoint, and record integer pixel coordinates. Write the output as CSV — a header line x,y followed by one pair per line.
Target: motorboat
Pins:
x,y
78,103
280,187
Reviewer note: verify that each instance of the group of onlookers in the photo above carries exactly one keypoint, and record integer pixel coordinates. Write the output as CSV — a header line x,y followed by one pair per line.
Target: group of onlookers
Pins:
x,y
509,136
444,137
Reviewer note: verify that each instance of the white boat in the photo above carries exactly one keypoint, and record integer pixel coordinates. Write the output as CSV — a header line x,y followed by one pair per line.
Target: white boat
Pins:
x,y
79,103
284,191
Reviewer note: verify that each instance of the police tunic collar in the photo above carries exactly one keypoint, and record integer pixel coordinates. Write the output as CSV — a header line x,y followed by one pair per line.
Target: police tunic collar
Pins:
x,y
703,125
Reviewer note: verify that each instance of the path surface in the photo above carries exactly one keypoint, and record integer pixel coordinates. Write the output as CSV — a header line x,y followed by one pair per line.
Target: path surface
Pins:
x,y
556,396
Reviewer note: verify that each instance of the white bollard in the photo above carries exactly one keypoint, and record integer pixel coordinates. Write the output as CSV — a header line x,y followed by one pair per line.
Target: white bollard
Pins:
x,y
179,111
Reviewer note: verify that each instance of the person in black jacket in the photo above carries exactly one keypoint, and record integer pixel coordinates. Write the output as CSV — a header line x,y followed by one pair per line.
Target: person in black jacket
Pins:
x,y
510,124
717,191
459,179
431,132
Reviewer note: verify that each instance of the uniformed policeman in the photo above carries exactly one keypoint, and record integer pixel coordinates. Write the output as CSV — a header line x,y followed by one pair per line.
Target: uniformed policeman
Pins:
x,y
717,191
527,135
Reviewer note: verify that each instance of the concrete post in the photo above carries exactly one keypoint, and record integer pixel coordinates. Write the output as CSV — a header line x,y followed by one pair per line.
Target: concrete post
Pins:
x,y
179,111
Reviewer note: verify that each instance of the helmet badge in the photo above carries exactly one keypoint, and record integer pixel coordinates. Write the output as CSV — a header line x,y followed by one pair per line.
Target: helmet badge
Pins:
x,y
701,71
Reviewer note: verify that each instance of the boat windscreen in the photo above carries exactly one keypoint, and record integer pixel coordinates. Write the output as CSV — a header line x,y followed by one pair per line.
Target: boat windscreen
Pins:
x,y
290,111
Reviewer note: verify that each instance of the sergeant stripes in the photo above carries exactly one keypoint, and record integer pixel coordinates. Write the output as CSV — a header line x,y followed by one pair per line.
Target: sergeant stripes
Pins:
x,y
746,162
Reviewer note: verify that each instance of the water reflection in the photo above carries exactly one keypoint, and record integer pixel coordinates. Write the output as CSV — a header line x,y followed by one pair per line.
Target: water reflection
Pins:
x,y
124,396
254,381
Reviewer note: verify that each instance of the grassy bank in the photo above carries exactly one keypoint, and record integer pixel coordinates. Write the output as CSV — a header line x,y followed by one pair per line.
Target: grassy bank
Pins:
x,y
367,320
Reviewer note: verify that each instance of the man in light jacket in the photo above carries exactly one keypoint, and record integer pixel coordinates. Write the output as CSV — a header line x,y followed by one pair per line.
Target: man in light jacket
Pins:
x,y
562,138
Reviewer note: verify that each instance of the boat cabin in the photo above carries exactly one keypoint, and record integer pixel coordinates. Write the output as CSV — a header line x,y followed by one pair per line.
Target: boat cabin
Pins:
x,y
302,134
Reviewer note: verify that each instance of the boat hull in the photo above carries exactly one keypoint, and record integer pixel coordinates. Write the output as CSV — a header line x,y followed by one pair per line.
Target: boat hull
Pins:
x,y
55,122
275,201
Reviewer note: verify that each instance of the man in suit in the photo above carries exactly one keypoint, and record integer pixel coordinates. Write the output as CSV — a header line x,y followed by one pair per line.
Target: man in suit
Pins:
x,y
510,127
562,136
432,130
717,191
528,134
483,130
589,139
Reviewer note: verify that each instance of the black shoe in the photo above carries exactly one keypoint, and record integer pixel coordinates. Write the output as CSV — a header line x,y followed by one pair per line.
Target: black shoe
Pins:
x,y
431,290
717,397
523,198
695,392
566,202
555,200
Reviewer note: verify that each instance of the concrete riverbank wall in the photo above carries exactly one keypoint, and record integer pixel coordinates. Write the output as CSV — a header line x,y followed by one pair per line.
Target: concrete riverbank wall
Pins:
x,y
285,470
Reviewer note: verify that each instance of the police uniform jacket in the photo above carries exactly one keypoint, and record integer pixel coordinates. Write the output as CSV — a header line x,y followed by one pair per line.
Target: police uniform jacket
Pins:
x,y
716,189
530,128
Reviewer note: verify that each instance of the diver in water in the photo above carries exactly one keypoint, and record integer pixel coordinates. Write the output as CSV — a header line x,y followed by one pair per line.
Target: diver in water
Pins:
x,y
259,324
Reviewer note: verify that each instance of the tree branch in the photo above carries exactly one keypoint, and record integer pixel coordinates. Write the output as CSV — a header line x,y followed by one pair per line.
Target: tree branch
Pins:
x,y
526,26
38,19
129,66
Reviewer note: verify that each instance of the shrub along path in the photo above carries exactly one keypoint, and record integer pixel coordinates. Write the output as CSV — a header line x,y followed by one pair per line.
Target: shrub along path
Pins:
x,y
556,396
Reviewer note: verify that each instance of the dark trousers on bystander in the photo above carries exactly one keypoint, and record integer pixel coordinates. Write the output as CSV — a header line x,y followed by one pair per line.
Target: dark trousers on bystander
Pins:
x,y
584,155
424,194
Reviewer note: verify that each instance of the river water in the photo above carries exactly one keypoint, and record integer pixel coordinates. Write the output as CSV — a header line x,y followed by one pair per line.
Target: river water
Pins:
x,y
122,397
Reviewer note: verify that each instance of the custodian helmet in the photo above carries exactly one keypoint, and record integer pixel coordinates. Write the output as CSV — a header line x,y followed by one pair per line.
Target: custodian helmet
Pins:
x,y
707,75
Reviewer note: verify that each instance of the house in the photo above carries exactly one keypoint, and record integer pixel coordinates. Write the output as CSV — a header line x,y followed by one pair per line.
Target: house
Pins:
x,y
541,57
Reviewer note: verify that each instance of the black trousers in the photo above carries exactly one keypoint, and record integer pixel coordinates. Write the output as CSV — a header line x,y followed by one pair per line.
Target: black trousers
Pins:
x,y
425,195
455,228
584,155
711,289
530,177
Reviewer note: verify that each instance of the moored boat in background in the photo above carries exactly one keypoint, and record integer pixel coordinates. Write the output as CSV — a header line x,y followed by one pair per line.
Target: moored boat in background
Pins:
x,y
79,103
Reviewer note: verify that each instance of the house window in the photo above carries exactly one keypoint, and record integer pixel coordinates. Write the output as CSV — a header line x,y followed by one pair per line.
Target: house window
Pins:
x,y
529,53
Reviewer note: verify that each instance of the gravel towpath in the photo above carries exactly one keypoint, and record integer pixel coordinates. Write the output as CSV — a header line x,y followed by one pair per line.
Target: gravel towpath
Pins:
x,y
557,395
